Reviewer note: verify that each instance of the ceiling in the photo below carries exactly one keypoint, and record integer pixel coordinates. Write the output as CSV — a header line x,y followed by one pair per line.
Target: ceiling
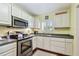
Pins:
x,y
41,8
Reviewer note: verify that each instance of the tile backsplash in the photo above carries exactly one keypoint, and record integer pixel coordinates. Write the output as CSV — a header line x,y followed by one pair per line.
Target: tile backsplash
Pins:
x,y
4,30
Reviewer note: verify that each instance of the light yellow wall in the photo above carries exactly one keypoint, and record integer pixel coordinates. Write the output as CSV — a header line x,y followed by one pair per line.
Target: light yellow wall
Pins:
x,y
61,31
73,28
4,30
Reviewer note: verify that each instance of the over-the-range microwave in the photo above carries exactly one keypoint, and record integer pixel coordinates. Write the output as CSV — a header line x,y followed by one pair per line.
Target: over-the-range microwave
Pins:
x,y
19,23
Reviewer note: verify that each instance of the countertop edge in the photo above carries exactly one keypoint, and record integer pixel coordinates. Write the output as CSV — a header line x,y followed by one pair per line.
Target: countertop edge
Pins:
x,y
55,35
7,43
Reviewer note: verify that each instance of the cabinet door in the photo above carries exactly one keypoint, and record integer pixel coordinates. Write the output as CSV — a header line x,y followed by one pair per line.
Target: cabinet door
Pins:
x,y
69,49
62,19
5,14
8,49
58,21
39,42
24,15
16,11
34,42
57,48
65,20
58,45
52,45
46,42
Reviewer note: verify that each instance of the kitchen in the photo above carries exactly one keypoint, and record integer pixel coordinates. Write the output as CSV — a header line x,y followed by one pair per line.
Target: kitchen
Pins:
x,y
26,29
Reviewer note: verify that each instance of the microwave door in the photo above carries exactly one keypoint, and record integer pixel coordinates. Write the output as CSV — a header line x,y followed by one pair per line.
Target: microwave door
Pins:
x,y
18,22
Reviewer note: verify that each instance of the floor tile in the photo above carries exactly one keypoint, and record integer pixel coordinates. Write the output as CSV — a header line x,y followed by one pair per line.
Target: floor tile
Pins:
x,y
42,53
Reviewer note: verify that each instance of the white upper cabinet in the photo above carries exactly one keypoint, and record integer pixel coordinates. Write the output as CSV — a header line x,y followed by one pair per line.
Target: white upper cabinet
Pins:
x,y
31,22
62,19
21,13
16,11
24,15
5,14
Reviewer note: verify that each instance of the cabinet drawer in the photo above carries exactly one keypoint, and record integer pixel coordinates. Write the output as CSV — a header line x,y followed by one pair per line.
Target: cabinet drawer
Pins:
x,y
69,40
59,39
7,47
11,52
58,44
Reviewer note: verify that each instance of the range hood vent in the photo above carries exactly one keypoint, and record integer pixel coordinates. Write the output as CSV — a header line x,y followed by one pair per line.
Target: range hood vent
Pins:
x,y
46,17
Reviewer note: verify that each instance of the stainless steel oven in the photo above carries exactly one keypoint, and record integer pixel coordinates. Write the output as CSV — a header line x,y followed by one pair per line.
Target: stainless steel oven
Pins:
x,y
24,47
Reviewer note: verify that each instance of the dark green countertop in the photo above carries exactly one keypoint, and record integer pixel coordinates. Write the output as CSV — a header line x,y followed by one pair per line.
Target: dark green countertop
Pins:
x,y
7,41
55,35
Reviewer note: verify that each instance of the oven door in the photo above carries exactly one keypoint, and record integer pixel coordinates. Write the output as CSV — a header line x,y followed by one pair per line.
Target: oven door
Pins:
x,y
24,47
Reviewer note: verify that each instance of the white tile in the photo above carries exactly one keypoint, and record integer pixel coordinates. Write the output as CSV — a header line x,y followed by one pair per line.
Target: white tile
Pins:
x,y
42,53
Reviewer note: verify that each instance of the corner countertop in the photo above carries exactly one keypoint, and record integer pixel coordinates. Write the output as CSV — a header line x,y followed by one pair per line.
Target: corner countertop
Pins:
x,y
8,41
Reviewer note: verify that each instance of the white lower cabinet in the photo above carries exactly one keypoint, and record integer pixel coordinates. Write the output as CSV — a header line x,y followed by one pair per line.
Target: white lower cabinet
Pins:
x,y
69,47
11,52
46,42
34,43
39,42
8,50
62,45
59,45
59,50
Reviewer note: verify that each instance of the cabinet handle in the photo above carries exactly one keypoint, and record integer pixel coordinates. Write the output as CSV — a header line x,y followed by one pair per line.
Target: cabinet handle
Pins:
x,y
61,13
